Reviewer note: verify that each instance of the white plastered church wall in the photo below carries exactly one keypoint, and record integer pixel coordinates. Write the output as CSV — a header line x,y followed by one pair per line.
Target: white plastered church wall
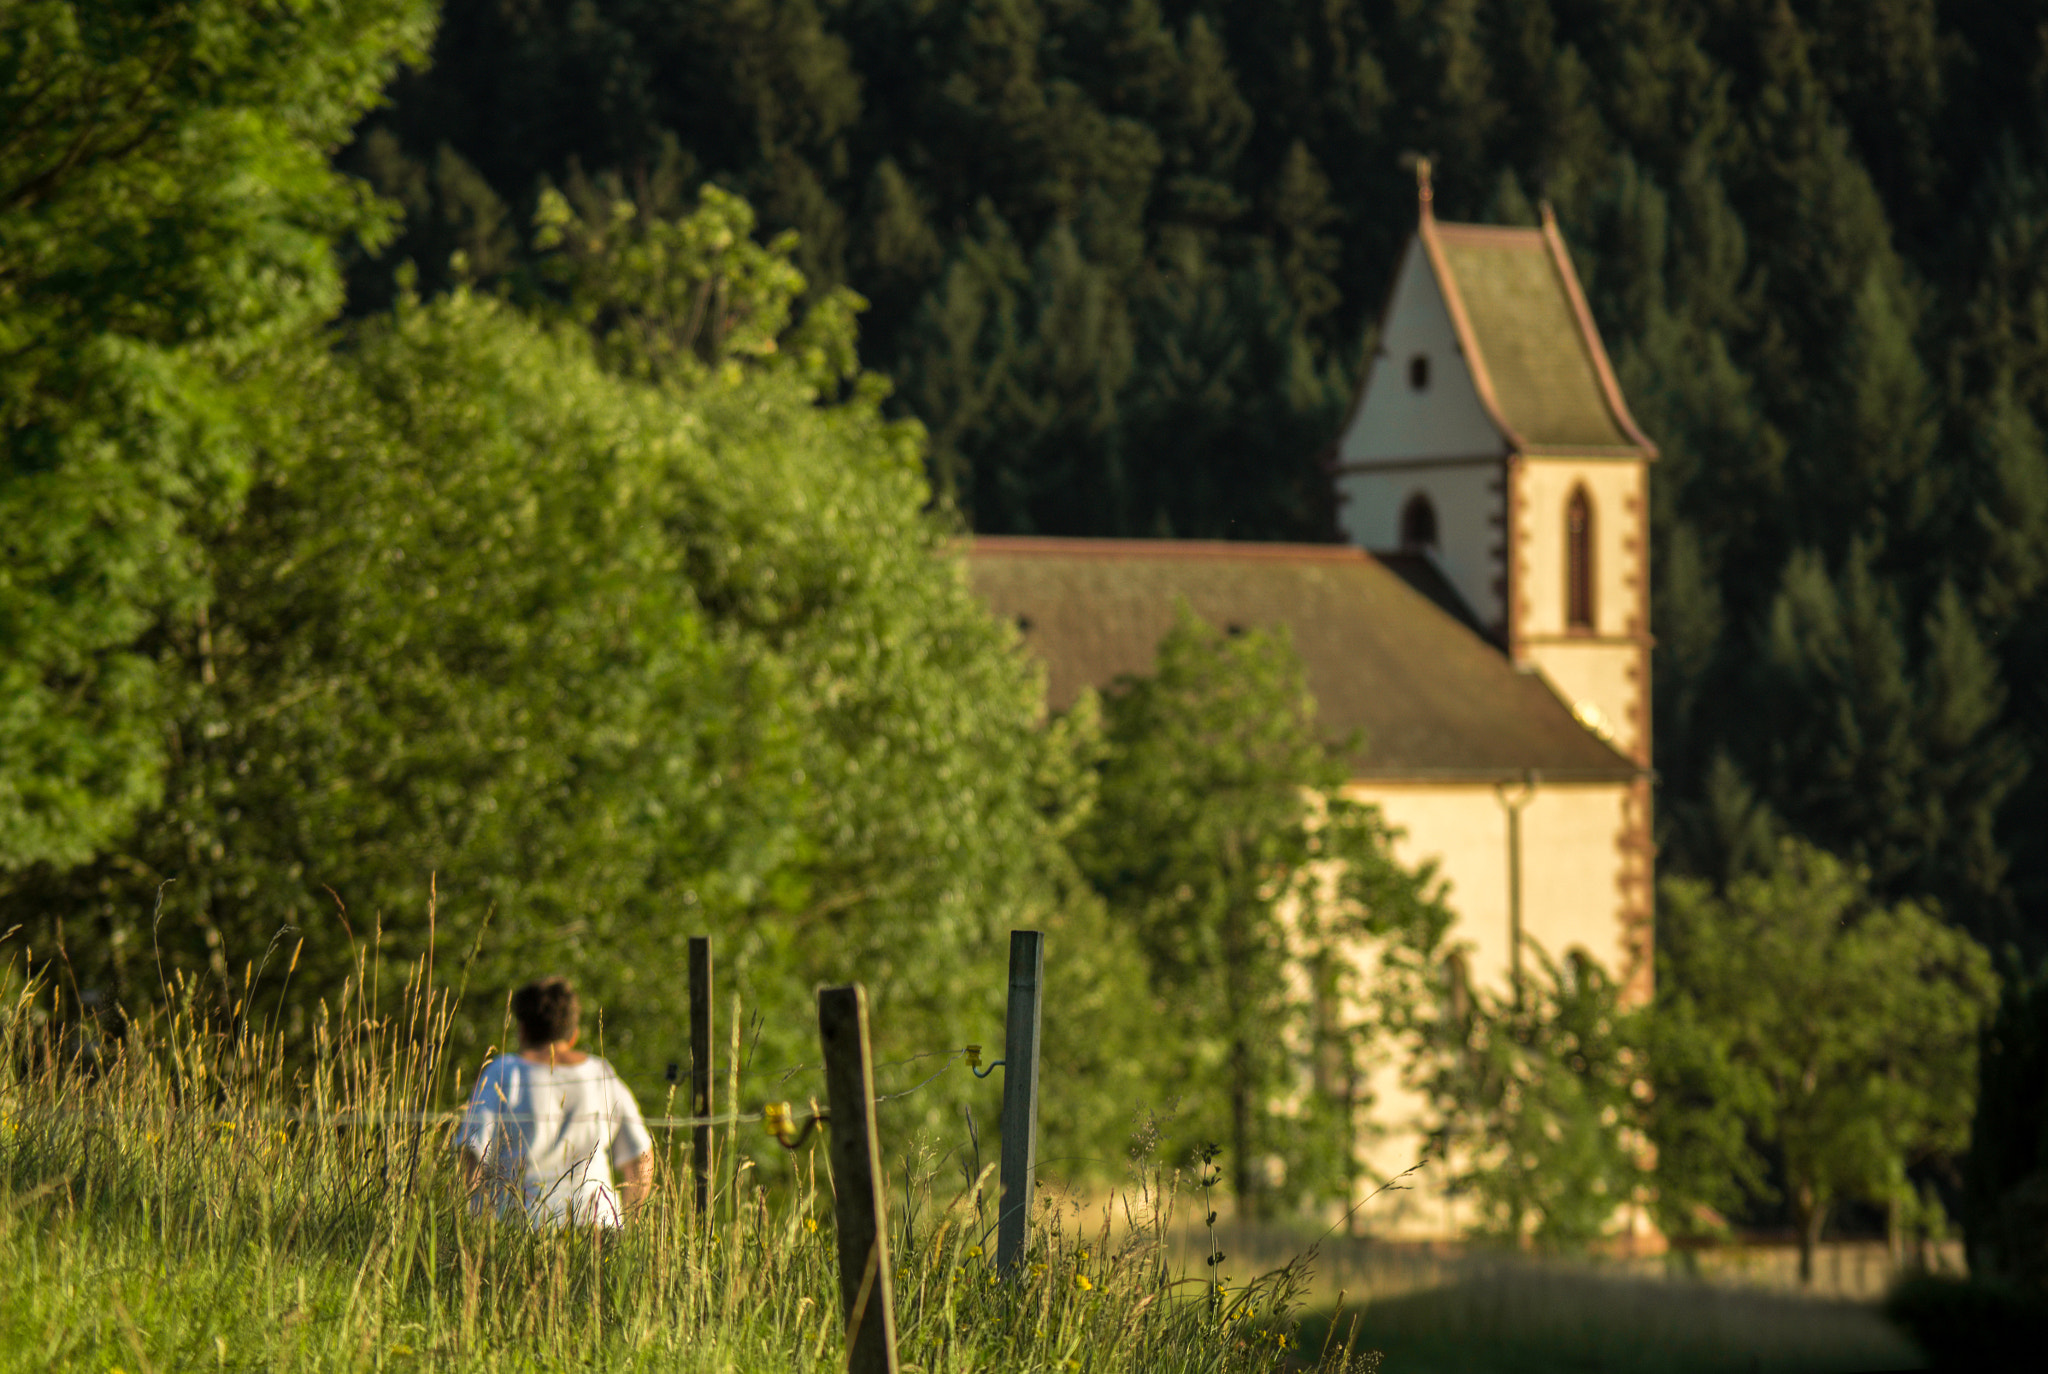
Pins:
x,y
1571,895
1395,422
1571,900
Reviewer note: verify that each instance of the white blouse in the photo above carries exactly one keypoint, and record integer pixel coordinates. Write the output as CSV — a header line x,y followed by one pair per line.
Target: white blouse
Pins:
x,y
549,1138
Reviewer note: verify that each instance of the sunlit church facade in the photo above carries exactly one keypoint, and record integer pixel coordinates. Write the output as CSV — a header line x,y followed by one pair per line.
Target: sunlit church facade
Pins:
x,y
1487,628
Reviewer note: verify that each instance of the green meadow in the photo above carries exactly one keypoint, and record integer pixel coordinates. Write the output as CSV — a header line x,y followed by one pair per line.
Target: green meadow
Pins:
x,y
194,1197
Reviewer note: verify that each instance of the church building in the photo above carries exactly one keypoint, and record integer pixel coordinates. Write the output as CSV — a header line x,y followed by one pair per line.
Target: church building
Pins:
x,y
1486,629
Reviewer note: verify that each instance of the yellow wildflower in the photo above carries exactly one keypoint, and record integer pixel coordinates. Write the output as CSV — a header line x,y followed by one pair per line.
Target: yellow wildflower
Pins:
x,y
810,1223
1081,1282
974,1252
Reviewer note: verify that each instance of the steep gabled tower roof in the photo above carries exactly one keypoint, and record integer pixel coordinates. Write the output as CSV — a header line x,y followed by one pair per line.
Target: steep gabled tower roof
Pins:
x,y
1529,338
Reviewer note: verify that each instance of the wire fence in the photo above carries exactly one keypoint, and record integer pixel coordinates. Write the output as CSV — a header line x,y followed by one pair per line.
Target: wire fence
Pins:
x,y
849,1074
781,1118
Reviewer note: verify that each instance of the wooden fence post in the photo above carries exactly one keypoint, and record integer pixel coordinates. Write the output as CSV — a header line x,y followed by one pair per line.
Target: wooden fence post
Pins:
x,y
700,1070
1020,1097
866,1295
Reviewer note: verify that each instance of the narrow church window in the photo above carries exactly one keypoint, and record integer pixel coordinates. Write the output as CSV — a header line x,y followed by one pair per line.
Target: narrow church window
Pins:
x,y
1578,542
1418,524
1418,372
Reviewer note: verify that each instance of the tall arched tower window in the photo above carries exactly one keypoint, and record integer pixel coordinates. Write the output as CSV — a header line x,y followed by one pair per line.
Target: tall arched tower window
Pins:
x,y
1418,524
1578,568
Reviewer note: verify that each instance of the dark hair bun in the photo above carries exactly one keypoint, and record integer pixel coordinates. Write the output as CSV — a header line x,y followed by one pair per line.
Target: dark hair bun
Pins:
x,y
546,1011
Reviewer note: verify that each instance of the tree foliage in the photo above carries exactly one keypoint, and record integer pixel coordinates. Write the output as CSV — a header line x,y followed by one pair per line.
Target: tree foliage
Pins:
x,y
1125,261
1834,1036
592,570
168,213
1537,1103
618,648
1222,838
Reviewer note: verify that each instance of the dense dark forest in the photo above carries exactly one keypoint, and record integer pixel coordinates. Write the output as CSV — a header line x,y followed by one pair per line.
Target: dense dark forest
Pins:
x,y
1123,260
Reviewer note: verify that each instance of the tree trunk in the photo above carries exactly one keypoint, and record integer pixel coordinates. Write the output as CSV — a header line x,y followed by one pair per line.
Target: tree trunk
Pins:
x,y
1243,1180
1811,1213
1348,1104
1236,999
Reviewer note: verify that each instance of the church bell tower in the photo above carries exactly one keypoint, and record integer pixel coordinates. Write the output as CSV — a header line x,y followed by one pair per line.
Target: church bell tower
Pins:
x,y
1492,453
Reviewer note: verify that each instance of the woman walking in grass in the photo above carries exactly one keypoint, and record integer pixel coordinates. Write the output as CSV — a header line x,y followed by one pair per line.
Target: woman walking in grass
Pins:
x,y
546,1127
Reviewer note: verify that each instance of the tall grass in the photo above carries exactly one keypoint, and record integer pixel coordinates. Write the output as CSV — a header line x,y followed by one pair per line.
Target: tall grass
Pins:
x,y
188,1195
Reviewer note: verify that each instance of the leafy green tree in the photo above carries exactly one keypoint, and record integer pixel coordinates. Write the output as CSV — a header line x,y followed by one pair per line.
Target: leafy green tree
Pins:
x,y
687,300
621,638
1536,1101
167,214
1841,1031
1222,838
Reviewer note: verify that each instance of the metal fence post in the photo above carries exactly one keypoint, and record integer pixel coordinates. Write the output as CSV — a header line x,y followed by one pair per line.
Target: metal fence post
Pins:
x,y
1020,1097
